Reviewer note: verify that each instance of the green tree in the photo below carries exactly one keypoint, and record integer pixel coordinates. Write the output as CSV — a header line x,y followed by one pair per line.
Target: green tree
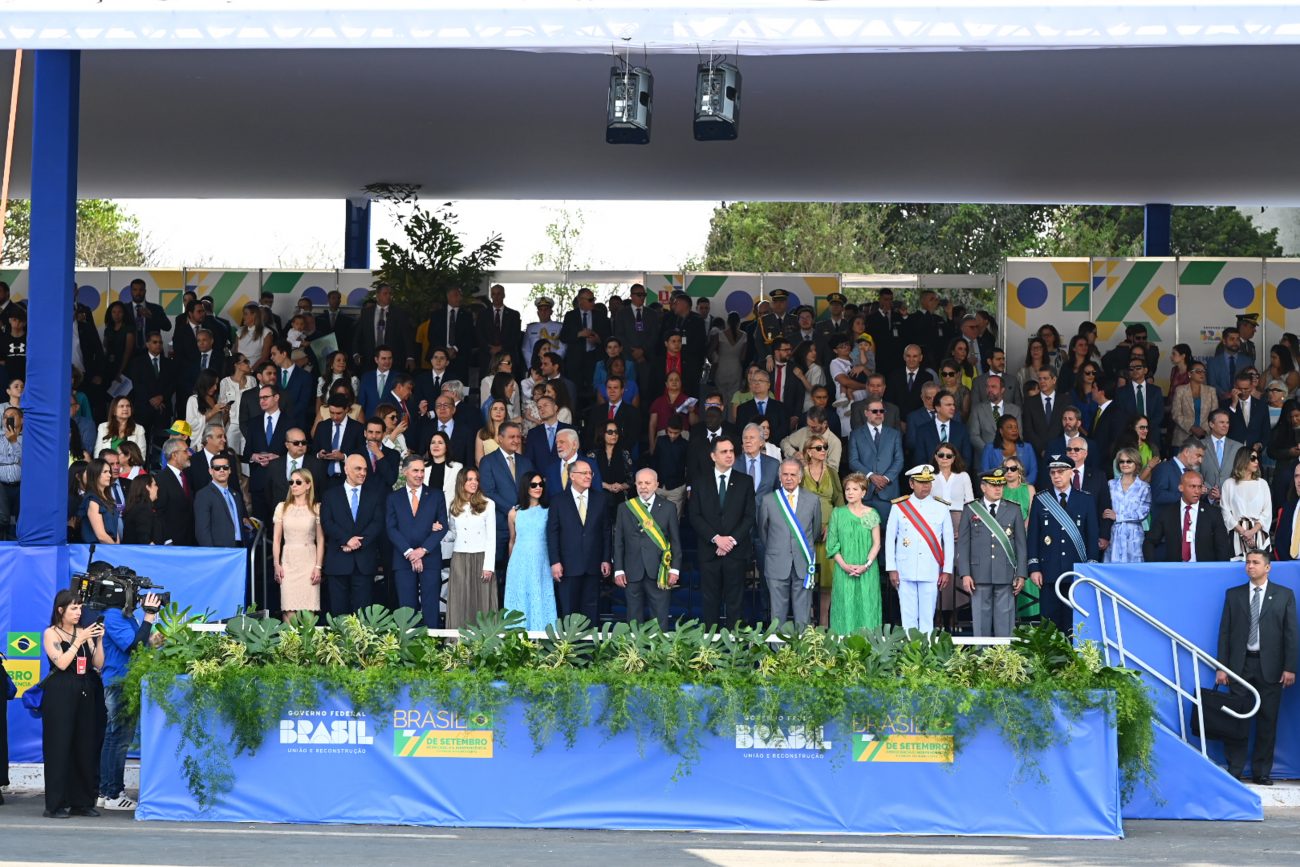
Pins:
x,y
818,237
107,235
1097,230
565,234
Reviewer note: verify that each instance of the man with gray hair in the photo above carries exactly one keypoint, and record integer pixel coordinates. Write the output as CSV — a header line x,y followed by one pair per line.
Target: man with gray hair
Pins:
x,y
466,413
175,494
789,522
558,471
214,446
647,550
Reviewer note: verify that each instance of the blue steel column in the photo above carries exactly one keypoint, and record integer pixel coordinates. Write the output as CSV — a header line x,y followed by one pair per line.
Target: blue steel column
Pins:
x,y
356,238
1157,230
55,103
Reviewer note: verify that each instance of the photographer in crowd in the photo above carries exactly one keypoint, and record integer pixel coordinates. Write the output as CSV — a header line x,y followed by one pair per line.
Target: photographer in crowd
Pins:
x,y
72,710
122,634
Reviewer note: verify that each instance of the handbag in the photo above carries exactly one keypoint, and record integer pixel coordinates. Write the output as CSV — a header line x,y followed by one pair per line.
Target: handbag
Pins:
x,y
1220,726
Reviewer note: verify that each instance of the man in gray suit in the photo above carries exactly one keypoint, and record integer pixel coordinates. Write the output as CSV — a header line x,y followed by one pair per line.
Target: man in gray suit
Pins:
x,y
638,556
787,561
1220,452
991,557
984,414
997,367
763,469
876,451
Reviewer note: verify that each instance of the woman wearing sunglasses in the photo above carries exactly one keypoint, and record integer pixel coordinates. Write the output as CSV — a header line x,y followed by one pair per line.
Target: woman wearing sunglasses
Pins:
x,y
530,589
1130,509
298,546
954,378
821,480
1247,505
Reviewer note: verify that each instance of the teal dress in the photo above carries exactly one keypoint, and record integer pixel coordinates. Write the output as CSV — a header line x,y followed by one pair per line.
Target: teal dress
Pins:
x,y
529,586
855,601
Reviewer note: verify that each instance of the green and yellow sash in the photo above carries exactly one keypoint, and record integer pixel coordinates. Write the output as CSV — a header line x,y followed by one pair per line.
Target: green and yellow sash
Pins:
x,y
656,535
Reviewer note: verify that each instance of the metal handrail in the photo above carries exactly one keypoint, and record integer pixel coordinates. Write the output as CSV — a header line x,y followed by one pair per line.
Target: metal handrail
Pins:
x,y
1176,641
256,563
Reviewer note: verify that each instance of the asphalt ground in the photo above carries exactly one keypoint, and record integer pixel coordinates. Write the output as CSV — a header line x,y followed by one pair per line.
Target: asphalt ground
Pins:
x,y
116,838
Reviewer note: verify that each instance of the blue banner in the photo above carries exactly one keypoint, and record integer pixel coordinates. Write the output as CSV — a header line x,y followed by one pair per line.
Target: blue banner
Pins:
x,y
204,579
424,765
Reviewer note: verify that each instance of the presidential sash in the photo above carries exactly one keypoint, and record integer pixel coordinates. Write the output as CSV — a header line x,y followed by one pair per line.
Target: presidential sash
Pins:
x,y
1067,524
999,532
651,529
932,541
798,533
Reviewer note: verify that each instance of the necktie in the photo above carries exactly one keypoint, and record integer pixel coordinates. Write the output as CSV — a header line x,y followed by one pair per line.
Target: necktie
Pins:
x,y
993,510
582,507
442,426
381,325
1065,498
354,500
997,411
1142,400
638,315
140,318
155,366
611,412
1047,406
779,370
293,467
1187,533
550,437
437,383
789,498
382,379
270,431
1078,480
762,407
722,489
117,494
1096,418
943,432
1256,600
497,316
415,501
510,461
234,512
451,326
204,363
586,320
1218,452
284,377
911,379
753,471
875,434
1295,536
1245,412
564,475
371,455
1232,368
338,437
185,486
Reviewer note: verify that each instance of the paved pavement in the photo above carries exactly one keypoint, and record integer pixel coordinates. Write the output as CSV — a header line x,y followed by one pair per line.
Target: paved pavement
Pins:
x,y
116,838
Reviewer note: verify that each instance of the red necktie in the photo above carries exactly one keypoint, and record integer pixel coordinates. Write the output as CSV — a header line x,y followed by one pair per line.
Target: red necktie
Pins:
x,y
1078,480
779,368
611,412
185,486
1187,533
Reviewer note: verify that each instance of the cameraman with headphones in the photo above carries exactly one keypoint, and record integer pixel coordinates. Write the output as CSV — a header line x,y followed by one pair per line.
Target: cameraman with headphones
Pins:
x,y
122,634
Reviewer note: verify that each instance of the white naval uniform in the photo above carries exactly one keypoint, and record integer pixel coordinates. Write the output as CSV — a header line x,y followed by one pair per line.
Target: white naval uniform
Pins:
x,y
918,571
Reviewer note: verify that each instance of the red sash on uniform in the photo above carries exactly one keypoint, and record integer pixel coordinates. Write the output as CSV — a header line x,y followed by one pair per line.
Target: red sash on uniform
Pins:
x,y
909,511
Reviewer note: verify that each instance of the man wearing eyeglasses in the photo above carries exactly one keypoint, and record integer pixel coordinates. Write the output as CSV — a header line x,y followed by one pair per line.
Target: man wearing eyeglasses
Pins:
x,y
637,326
875,391
1063,530
1143,397
220,518
1248,419
876,451
296,457
416,522
984,416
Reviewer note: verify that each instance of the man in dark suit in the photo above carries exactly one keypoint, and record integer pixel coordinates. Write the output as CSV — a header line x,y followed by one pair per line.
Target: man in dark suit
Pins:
x,y
930,328
1109,422
175,501
577,537
296,457
416,523
1249,423
785,386
639,566
335,439
885,326
352,516
695,337
185,342
1142,397
1205,539
1082,476
212,445
584,332
638,327
1258,640
500,474
946,428
147,316
1166,478
452,328
1040,417
381,461
429,383
220,519
153,386
1060,536
619,411
460,434
297,387
722,513
375,386
552,367
263,443
332,320
903,385
699,451
499,331
557,474
763,406
385,324
1071,427
539,447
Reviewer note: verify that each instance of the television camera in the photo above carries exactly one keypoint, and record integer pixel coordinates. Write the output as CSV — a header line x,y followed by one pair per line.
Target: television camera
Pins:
x,y
103,586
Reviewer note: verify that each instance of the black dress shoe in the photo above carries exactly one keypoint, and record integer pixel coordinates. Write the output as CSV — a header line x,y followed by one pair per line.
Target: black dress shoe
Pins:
x,y
61,813
1263,781
85,811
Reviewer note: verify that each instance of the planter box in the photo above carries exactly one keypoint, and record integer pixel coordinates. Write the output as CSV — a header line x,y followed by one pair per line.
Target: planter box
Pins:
x,y
426,766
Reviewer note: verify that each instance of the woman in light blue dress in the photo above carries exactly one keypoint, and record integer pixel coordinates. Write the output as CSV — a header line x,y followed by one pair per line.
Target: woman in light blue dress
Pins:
x,y
529,586
1130,507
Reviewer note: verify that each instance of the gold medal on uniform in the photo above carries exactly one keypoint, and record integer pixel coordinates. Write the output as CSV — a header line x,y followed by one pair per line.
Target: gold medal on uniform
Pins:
x,y
1047,540
906,541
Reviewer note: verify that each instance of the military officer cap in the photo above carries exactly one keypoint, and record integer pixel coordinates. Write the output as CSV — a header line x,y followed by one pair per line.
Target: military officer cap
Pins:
x,y
921,473
1060,463
544,301
996,476
1252,318
837,298
778,294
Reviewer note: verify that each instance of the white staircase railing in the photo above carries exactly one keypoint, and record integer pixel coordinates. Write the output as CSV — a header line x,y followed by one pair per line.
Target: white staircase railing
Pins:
x,y
1116,654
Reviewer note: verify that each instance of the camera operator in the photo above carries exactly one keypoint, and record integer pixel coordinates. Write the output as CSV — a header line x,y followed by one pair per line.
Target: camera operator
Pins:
x,y
72,710
122,634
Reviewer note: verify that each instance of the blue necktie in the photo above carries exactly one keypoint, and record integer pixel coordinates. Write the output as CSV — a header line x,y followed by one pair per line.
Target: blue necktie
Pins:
x,y
354,503
762,407
234,512
269,431
550,437
338,432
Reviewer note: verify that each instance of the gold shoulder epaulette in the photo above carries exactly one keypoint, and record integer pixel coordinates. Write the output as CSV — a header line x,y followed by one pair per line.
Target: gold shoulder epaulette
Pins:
x,y
942,500
900,499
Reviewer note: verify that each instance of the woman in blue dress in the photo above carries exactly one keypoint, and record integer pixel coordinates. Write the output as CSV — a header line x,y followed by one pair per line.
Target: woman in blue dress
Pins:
x,y
1130,508
529,586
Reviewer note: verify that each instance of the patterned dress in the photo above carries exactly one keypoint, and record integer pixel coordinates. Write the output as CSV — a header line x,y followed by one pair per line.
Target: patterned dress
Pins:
x,y
855,602
1132,507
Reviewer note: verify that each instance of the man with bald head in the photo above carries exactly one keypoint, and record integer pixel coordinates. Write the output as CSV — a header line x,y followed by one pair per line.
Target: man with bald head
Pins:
x,y
903,385
1188,531
647,550
352,516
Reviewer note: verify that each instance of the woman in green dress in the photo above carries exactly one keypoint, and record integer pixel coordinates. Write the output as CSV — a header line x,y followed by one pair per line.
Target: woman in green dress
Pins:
x,y
821,480
1020,492
854,543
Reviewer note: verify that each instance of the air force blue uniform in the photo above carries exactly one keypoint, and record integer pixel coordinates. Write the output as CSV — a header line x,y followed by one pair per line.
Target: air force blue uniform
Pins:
x,y
1052,552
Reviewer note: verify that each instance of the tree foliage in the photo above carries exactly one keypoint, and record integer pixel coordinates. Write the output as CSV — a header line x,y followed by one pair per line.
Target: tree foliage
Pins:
x,y
433,258
565,234
108,236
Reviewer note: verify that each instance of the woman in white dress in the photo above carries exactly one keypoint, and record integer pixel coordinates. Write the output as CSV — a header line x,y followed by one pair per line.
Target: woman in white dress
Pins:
x,y
252,339
232,388
119,428
951,483
1247,505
